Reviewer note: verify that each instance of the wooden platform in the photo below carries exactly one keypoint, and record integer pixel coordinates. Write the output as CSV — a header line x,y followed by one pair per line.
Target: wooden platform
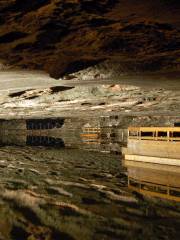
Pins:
x,y
159,145
156,160
164,149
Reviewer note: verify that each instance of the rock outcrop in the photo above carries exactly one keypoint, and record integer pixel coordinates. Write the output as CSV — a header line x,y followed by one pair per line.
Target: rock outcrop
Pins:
x,y
65,36
85,101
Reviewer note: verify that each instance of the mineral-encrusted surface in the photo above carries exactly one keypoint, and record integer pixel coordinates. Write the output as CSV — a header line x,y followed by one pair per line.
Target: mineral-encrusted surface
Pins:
x,y
64,36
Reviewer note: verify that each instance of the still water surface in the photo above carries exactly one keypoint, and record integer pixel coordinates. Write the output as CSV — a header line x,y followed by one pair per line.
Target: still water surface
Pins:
x,y
52,189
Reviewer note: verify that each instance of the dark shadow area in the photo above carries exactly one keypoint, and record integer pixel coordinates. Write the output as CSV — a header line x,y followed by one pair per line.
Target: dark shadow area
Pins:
x,y
44,141
12,36
57,89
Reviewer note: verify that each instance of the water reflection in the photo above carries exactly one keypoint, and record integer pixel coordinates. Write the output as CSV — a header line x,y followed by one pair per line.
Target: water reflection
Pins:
x,y
152,158
101,135
154,180
60,191
44,141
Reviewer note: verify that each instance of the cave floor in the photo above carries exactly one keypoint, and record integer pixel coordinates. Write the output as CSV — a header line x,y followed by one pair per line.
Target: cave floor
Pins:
x,y
51,193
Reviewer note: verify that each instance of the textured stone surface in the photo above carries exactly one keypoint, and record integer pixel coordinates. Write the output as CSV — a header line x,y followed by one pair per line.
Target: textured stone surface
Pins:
x,y
90,100
66,36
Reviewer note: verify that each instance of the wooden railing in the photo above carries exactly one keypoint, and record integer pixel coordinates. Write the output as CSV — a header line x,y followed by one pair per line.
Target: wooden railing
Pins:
x,y
154,133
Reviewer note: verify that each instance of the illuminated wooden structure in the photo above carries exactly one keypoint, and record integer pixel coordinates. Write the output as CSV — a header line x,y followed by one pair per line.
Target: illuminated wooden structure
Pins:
x,y
154,133
90,133
160,145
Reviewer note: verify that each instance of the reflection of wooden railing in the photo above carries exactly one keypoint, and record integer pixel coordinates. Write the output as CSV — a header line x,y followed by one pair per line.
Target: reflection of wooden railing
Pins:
x,y
91,130
90,133
154,133
155,190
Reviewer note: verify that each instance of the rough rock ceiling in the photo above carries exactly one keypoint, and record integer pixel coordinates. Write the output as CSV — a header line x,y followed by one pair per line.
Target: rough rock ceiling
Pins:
x,y
64,36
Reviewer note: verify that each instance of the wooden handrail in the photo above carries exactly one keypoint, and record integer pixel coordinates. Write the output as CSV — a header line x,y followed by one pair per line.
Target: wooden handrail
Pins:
x,y
156,138
141,133
153,129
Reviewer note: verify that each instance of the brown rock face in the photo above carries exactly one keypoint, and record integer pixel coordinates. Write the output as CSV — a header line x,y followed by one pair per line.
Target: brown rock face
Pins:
x,y
64,36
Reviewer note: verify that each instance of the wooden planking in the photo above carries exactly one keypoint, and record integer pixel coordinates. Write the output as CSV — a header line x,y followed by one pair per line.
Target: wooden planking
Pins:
x,y
153,129
156,160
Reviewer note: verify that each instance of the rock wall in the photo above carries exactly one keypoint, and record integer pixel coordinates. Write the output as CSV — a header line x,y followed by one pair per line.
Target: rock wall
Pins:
x,y
65,36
